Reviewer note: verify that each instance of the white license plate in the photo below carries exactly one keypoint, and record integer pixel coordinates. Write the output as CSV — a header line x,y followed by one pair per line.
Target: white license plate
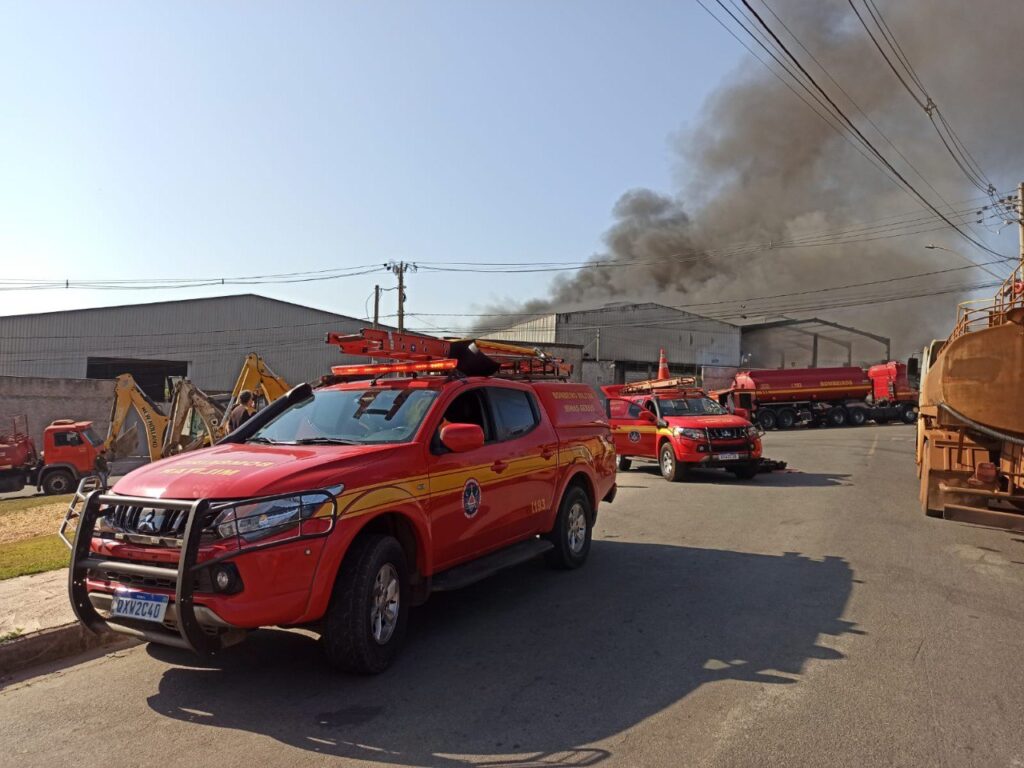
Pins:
x,y
139,605
728,456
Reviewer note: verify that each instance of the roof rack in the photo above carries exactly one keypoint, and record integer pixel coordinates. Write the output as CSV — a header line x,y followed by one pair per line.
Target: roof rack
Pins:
x,y
419,354
658,385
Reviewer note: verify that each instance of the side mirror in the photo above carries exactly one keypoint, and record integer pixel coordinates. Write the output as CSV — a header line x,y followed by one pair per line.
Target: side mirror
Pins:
x,y
913,367
647,416
460,438
661,423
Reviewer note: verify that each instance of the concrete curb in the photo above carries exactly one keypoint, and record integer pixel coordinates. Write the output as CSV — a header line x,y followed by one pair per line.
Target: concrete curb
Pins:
x,y
51,644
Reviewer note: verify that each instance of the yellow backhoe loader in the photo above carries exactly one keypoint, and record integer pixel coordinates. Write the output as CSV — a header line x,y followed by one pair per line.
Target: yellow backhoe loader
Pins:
x,y
127,396
194,420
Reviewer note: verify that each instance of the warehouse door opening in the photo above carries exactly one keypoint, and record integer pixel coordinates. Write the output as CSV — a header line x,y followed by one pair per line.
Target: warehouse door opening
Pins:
x,y
152,376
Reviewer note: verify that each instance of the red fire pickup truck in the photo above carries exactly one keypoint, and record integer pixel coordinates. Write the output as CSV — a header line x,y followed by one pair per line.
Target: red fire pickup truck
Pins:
x,y
338,507
676,424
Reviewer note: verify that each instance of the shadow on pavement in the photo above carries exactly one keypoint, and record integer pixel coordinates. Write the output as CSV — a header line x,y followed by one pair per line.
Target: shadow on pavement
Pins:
x,y
788,478
528,667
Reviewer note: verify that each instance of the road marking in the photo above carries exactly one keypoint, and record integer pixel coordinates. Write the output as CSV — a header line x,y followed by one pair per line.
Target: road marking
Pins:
x,y
874,444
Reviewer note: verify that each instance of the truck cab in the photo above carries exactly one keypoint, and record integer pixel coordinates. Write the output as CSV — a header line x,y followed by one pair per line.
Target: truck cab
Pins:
x,y
69,454
338,507
676,424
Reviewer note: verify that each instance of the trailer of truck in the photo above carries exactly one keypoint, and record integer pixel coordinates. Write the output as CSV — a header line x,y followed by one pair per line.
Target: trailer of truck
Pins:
x,y
835,397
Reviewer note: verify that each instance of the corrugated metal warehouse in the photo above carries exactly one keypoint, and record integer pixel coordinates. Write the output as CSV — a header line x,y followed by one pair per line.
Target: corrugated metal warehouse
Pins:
x,y
204,339
621,342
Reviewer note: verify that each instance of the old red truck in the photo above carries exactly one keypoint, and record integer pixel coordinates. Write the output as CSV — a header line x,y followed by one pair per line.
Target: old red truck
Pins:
x,y
69,453
835,397
340,506
674,422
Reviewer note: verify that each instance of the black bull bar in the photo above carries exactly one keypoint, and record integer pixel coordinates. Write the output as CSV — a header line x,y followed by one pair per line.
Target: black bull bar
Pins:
x,y
199,514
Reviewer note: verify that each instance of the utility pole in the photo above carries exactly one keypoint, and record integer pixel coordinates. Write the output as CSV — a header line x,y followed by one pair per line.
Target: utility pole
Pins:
x,y
399,268
376,307
1020,219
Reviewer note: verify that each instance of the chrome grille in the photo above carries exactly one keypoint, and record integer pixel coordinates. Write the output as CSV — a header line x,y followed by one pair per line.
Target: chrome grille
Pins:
x,y
147,521
727,433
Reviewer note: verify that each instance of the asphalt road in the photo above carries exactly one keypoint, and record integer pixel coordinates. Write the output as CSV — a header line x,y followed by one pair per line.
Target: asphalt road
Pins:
x,y
812,618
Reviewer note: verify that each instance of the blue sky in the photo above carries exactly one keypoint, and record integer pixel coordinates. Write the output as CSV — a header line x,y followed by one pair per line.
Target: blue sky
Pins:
x,y
191,140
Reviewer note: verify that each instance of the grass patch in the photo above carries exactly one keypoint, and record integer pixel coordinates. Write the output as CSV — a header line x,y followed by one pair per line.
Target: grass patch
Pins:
x,y
35,555
19,505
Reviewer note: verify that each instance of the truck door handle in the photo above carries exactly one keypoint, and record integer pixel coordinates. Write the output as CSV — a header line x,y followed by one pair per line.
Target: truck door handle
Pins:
x,y
546,453
499,466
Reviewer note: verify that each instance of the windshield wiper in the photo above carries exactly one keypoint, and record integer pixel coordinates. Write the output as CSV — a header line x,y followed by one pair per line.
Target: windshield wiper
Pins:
x,y
325,441
264,440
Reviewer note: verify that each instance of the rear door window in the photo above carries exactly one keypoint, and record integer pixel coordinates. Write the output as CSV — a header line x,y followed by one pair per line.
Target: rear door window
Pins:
x,y
514,411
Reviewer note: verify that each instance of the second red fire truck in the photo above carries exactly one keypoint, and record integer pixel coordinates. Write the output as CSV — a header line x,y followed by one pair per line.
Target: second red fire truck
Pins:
x,y
674,422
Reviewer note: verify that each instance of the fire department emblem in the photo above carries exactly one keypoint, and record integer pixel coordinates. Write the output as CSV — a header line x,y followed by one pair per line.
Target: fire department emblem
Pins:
x,y
471,495
634,436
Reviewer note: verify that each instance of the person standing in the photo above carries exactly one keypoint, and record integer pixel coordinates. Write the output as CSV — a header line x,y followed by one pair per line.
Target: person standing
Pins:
x,y
243,411
102,467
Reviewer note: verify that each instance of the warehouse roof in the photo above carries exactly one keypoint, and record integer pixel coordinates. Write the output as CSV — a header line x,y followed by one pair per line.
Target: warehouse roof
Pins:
x,y
205,299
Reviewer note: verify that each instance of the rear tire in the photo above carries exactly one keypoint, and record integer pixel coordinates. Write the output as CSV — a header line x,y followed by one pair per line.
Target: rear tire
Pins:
x,y
785,419
624,464
573,530
857,417
59,481
837,416
365,622
746,472
671,469
766,418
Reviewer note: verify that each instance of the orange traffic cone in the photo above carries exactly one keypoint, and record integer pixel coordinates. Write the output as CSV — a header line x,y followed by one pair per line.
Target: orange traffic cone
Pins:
x,y
662,366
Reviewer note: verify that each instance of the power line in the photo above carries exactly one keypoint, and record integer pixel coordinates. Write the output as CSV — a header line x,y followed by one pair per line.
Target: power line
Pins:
x,y
853,127
957,150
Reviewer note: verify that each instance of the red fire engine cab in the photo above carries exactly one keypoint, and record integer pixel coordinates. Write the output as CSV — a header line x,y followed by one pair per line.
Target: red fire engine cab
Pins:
x,y
337,507
674,422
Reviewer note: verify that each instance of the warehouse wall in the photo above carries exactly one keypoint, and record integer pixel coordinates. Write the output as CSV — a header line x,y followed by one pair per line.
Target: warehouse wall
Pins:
x,y
212,336
635,332
46,400
638,331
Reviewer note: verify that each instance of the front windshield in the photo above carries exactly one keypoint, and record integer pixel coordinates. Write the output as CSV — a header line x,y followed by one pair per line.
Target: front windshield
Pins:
x,y
353,416
92,437
690,406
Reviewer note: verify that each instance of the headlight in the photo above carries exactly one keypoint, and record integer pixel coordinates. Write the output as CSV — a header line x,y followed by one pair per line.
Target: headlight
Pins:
x,y
260,519
691,434
752,431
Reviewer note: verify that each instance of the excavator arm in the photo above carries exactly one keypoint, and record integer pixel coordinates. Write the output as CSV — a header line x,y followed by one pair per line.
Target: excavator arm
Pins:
x,y
194,421
257,377
128,396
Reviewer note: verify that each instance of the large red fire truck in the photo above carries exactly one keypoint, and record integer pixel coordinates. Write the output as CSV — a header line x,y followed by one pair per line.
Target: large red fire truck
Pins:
x,y
834,397
674,422
337,507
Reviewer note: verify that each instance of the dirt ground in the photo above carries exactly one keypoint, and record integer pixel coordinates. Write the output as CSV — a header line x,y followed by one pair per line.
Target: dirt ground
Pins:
x,y
19,521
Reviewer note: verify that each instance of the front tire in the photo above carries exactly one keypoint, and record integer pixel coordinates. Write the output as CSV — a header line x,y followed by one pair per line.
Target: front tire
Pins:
x,y
573,530
909,415
671,469
624,464
365,621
